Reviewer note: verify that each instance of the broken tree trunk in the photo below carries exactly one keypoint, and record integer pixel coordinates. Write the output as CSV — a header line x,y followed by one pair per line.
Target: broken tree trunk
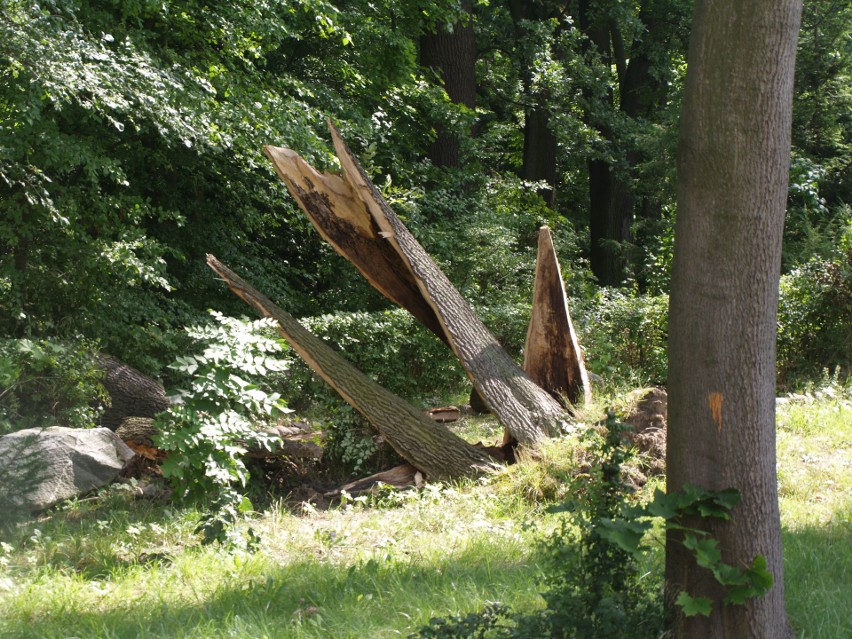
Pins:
x,y
132,393
430,447
352,216
552,355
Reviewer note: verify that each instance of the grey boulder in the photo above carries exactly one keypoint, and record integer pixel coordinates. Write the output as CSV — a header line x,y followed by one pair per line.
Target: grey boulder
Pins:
x,y
40,467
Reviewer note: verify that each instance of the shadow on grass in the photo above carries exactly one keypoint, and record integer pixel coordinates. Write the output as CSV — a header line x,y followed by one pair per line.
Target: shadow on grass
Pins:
x,y
817,569
23,469
377,598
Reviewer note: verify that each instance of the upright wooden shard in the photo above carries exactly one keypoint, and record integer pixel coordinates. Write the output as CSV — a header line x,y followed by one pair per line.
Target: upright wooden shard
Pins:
x,y
386,253
552,355
427,445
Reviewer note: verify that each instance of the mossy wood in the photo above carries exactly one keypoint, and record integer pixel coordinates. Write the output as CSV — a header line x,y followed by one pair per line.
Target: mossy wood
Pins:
x,y
552,355
425,444
351,214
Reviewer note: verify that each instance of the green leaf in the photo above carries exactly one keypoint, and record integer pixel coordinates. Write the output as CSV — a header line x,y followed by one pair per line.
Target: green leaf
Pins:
x,y
693,606
663,505
760,577
706,551
245,505
625,534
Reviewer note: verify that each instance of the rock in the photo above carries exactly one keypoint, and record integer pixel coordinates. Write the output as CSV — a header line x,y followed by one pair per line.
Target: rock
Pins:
x,y
40,467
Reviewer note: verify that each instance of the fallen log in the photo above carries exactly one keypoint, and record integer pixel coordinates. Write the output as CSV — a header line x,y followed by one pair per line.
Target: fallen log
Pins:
x,y
139,433
425,444
132,393
351,214
444,414
403,476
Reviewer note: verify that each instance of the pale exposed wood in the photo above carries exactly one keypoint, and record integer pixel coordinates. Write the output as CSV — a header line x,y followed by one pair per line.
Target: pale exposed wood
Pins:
x,y
444,414
404,476
425,444
552,355
341,218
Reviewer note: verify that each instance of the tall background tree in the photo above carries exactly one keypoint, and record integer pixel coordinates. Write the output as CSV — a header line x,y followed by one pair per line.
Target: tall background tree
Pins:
x,y
733,169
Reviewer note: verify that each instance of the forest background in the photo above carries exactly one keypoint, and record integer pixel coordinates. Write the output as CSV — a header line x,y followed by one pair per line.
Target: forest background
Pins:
x,y
131,137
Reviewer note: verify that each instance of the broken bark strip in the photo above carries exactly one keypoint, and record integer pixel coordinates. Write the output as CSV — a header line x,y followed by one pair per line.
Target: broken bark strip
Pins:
x,y
552,355
528,411
428,446
341,218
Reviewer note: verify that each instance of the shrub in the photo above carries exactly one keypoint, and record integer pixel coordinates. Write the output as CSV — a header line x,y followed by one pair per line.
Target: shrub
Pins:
x,y
45,382
814,329
220,415
389,346
624,336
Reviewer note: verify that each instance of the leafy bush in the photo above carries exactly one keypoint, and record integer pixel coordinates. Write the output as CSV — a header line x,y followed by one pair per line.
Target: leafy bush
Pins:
x,y
352,446
597,589
624,336
45,382
814,329
389,346
220,415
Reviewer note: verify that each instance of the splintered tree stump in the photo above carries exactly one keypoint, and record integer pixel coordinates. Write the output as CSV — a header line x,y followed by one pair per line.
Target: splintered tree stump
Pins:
x,y
351,214
552,355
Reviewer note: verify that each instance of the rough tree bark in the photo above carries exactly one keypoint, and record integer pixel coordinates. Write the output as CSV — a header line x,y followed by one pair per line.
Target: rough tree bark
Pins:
x,y
132,393
451,50
540,146
425,444
337,208
732,186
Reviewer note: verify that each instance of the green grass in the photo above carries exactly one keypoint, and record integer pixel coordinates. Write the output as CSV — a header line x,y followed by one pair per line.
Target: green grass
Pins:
x,y
115,567
815,494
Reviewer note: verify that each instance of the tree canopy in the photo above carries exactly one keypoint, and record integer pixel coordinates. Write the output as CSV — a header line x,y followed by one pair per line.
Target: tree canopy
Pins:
x,y
131,135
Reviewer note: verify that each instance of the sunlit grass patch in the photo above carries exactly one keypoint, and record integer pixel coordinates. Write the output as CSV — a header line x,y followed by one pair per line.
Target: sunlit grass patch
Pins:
x,y
815,494
382,565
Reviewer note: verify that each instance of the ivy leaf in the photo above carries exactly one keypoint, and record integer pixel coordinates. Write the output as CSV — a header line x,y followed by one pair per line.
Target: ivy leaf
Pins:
x,y
729,575
663,505
756,582
625,534
692,606
759,576
707,554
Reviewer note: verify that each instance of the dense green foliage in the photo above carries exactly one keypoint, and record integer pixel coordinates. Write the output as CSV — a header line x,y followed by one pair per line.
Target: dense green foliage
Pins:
x,y
44,382
220,416
131,137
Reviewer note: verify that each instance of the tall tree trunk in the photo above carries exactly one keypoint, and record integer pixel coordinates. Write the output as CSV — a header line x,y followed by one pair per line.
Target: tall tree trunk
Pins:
x,y
610,206
451,50
539,142
732,186
612,200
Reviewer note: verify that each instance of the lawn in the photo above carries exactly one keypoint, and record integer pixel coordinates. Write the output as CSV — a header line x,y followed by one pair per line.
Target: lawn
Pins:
x,y
112,566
